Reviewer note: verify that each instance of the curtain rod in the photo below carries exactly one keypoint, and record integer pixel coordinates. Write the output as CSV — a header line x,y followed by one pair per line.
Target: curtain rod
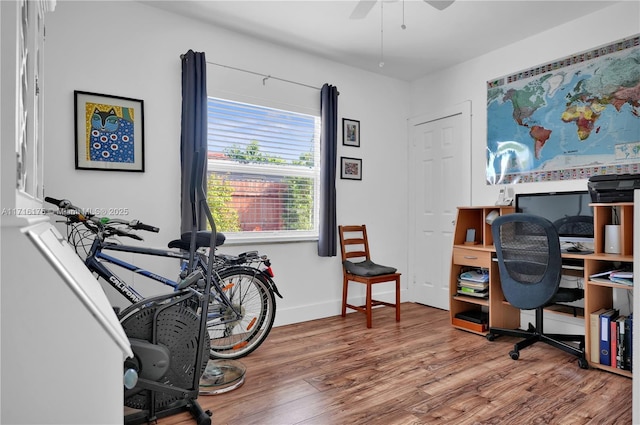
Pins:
x,y
266,77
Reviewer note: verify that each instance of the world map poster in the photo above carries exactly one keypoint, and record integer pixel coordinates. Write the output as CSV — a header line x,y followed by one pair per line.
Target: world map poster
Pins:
x,y
569,119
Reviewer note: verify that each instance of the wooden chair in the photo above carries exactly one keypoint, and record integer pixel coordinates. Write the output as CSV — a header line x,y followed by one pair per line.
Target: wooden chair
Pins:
x,y
356,246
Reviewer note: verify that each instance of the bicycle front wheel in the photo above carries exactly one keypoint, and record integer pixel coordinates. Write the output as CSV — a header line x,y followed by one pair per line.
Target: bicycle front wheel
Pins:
x,y
241,320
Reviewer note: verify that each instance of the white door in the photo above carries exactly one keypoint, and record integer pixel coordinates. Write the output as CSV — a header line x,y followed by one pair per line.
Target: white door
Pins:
x,y
440,157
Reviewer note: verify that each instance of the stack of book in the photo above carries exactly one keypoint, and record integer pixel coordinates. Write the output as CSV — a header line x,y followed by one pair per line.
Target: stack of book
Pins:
x,y
474,282
611,338
623,277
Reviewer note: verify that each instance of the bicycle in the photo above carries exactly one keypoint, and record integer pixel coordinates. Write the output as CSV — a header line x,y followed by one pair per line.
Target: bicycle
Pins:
x,y
241,308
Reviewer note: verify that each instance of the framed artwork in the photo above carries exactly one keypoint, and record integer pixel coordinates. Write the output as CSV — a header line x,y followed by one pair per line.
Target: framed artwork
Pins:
x,y
350,132
109,132
350,168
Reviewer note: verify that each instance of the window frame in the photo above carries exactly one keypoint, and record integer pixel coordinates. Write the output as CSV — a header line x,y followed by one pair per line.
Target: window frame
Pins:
x,y
230,166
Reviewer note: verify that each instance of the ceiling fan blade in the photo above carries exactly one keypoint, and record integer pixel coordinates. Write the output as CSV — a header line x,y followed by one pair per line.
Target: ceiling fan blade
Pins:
x,y
362,9
440,5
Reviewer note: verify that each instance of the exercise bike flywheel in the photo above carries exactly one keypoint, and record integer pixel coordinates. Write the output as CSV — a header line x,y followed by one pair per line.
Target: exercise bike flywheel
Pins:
x,y
177,329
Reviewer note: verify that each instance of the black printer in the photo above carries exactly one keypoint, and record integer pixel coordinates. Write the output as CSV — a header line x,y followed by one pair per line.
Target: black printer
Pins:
x,y
613,187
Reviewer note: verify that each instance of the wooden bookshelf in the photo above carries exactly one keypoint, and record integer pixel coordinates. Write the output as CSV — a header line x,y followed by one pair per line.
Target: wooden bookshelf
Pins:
x,y
599,294
478,253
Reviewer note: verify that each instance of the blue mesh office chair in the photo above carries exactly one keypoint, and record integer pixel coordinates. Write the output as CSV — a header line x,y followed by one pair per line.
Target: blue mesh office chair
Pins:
x,y
530,263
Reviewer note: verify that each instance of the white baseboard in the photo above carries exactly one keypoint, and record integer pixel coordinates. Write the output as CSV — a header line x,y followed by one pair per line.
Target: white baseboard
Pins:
x,y
304,313
297,314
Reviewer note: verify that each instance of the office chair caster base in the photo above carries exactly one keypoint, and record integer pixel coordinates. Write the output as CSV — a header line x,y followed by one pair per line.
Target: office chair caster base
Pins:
x,y
515,355
583,363
491,337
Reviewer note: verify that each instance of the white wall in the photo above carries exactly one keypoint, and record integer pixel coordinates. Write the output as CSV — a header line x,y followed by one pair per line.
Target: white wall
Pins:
x,y
467,81
133,50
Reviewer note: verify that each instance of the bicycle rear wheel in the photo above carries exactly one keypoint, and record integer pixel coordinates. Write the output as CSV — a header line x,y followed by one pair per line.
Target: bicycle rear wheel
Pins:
x,y
238,329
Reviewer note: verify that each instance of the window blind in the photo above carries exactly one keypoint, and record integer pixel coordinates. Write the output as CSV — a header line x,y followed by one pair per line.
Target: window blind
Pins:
x,y
263,168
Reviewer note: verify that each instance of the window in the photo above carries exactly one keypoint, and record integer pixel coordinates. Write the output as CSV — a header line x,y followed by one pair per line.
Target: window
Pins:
x,y
263,171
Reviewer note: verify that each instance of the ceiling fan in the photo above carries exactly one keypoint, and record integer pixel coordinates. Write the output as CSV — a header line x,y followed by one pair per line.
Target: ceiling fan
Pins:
x,y
363,7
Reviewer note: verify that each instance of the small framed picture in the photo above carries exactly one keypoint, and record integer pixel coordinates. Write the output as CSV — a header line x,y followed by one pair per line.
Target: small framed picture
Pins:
x,y
350,168
109,132
350,132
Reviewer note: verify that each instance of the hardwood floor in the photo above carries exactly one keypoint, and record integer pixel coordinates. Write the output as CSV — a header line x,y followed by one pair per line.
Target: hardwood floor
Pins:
x,y
417,371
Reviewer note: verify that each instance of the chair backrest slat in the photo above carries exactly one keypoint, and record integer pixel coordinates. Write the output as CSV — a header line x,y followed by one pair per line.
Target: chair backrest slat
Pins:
x,y
354,242
355,254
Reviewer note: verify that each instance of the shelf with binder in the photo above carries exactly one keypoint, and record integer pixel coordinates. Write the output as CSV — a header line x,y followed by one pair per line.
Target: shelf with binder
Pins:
x,y
601,287
610,341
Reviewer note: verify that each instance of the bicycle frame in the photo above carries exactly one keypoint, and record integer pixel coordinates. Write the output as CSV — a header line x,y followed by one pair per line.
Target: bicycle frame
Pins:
x,y
96,258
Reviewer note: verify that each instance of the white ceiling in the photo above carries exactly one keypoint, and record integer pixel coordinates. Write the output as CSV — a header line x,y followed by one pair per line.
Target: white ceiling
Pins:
x,y
433,40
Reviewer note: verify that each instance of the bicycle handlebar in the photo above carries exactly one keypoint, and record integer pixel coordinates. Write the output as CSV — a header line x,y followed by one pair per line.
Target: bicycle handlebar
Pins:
x,y
54,201
105,223
136,224
64,204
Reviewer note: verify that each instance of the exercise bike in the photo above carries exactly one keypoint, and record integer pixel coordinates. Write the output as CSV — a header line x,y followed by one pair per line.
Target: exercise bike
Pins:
x,y
169,340
168,335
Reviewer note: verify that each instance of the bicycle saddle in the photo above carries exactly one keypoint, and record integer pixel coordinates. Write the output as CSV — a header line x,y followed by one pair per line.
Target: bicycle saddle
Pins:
x,y
203,238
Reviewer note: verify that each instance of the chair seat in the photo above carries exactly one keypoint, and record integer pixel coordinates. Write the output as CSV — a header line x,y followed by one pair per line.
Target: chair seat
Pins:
x,y
368,268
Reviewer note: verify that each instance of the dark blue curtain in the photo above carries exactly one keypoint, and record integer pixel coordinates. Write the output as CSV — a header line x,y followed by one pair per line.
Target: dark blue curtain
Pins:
x,y
328,231
193,139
